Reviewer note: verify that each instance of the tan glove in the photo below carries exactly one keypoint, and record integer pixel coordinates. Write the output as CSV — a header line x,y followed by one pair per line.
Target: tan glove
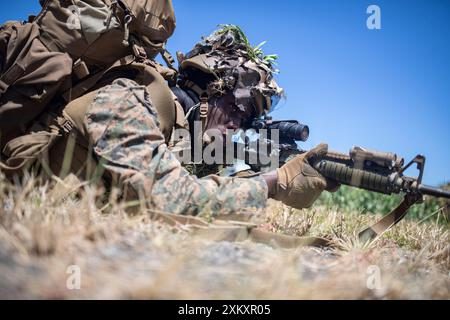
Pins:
x,y
299,184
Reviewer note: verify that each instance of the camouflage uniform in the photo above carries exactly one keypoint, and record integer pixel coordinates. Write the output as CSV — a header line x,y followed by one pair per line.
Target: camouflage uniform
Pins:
x,y
123,129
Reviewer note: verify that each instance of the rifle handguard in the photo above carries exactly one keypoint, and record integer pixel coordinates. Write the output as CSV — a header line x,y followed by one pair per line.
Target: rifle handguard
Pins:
x,y
354,177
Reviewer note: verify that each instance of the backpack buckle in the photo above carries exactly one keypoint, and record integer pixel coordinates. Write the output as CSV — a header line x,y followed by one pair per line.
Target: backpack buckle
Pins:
x,y
139,52
3,87
80,69
65,124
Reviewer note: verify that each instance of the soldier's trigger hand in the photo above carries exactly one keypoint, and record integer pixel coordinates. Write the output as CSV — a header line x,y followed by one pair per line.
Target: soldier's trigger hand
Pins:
x,y
299,184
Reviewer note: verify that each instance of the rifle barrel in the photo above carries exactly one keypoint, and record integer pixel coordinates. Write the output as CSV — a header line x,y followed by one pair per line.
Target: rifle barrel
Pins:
x,y
435,192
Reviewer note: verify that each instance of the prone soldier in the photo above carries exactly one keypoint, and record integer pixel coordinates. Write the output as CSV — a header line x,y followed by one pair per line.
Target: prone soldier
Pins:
x,y
113,114
128,127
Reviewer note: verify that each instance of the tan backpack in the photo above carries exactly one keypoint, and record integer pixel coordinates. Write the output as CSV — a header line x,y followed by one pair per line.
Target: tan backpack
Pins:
x,y
70,43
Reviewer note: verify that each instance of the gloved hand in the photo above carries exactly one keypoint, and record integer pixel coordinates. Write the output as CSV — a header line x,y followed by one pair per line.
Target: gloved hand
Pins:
x,y
299,184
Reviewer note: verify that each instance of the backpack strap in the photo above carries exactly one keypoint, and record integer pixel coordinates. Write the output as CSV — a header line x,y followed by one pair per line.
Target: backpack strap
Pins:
x,y
10,76
51,43
85,85
32,148
81,70
168,59
24,39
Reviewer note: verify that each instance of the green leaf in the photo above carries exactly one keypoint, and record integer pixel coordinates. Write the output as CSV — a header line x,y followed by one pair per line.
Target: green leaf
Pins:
x,y
254,53
259,45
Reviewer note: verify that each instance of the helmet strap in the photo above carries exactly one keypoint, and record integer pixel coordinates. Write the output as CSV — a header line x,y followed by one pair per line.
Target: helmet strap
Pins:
x,y
204,106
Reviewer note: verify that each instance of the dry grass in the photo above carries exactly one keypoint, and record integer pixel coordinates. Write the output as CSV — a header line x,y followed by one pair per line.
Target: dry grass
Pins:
x,y
42,232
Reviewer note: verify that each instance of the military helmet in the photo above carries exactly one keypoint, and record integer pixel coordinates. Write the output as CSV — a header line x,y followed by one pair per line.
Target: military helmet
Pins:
x,y
225,61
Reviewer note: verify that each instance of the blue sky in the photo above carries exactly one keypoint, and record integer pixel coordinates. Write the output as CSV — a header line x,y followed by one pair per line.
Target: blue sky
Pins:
x,y
385,89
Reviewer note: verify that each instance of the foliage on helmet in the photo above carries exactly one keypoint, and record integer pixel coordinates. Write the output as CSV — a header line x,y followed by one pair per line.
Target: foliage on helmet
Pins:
x,y
233,64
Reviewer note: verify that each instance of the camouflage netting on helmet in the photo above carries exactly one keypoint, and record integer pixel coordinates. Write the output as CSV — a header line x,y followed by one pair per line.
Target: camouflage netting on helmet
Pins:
x,y
228,62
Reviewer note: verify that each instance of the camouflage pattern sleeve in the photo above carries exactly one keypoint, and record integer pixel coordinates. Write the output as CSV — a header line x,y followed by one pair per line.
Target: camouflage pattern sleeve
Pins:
x,y
124,131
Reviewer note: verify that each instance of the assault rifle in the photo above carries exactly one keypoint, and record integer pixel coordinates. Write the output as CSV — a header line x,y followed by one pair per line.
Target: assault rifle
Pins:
x,y
381,172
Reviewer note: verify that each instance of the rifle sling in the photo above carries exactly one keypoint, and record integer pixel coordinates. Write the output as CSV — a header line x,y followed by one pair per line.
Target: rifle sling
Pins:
x,y
235,231
388,221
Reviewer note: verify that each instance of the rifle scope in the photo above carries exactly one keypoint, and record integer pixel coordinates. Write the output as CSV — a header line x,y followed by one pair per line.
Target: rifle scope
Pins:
x,y
287,129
